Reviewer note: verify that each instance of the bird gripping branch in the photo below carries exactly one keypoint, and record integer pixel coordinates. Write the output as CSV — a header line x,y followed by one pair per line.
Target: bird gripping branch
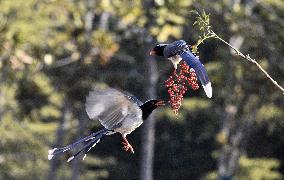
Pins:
x,y
179,50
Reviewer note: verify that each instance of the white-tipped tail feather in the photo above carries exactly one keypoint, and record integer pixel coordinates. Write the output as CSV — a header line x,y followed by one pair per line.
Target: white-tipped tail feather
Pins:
x,y
208,89
70,159
50,156
85,155
51,151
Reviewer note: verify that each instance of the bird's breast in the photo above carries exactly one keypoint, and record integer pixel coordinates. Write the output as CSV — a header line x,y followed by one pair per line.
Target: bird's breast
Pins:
x,y
175,60
128,125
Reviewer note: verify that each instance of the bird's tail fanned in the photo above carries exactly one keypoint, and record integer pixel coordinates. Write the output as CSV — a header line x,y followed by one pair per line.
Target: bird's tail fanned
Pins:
x,y
91,140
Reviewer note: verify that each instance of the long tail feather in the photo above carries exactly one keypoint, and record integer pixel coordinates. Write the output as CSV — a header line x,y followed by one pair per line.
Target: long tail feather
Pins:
x,y
92,138
208,89
94,141
200,71
71,146
90,147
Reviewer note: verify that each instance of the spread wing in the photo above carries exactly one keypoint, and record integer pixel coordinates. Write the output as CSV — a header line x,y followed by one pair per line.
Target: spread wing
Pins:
x,y
111,107
132,98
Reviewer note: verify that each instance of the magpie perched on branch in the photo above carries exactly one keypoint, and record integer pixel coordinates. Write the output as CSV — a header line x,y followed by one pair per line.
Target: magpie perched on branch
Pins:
x,y
118,112
179,50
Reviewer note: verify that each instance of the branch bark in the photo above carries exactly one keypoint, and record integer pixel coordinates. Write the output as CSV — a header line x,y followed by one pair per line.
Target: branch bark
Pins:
x,y
248,58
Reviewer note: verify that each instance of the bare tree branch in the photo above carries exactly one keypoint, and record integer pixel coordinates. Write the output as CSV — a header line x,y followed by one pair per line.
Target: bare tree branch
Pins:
x,y
248,58
203,22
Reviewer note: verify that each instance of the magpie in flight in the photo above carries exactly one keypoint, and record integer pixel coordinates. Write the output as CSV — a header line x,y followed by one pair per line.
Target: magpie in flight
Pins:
x,y
117,112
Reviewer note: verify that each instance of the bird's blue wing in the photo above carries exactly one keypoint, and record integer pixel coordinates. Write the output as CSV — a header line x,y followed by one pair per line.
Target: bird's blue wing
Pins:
x,y
199,69
174,48
180,48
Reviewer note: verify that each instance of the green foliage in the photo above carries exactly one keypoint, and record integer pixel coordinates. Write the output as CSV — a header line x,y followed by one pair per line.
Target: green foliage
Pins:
x,y
105,43
203,23
258,168
269,112
23,154
254,169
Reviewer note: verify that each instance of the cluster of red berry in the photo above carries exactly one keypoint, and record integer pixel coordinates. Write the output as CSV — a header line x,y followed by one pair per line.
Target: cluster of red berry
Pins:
x,y
177,84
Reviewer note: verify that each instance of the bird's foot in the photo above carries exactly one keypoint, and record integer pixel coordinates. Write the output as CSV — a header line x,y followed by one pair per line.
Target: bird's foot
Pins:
x,y
175,71
127,147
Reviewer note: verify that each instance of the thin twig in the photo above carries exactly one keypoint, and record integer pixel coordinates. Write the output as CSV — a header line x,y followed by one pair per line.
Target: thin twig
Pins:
x,y
248,58
210,33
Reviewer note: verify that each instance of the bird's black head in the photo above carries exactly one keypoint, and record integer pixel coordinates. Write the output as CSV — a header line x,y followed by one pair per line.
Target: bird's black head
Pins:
x,y
158,50
149,106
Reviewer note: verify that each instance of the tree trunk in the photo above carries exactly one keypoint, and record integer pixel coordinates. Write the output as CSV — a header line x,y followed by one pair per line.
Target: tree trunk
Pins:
x,y
236,130
148,131
55,163
104,21
77,162
80,113
151,77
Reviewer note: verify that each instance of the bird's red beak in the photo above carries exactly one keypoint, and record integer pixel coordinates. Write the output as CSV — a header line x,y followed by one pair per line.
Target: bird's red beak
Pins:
x,y
160,103
152,52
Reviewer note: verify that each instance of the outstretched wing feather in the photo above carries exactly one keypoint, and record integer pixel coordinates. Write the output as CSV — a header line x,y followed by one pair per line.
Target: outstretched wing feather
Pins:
x,y
109,106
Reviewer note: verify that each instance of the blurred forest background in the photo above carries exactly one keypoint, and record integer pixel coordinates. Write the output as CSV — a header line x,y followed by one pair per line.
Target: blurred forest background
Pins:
x,y
54,51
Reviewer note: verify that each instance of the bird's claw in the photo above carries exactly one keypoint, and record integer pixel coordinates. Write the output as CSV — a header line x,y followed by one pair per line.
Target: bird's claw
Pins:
x,y
127,147
175,71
